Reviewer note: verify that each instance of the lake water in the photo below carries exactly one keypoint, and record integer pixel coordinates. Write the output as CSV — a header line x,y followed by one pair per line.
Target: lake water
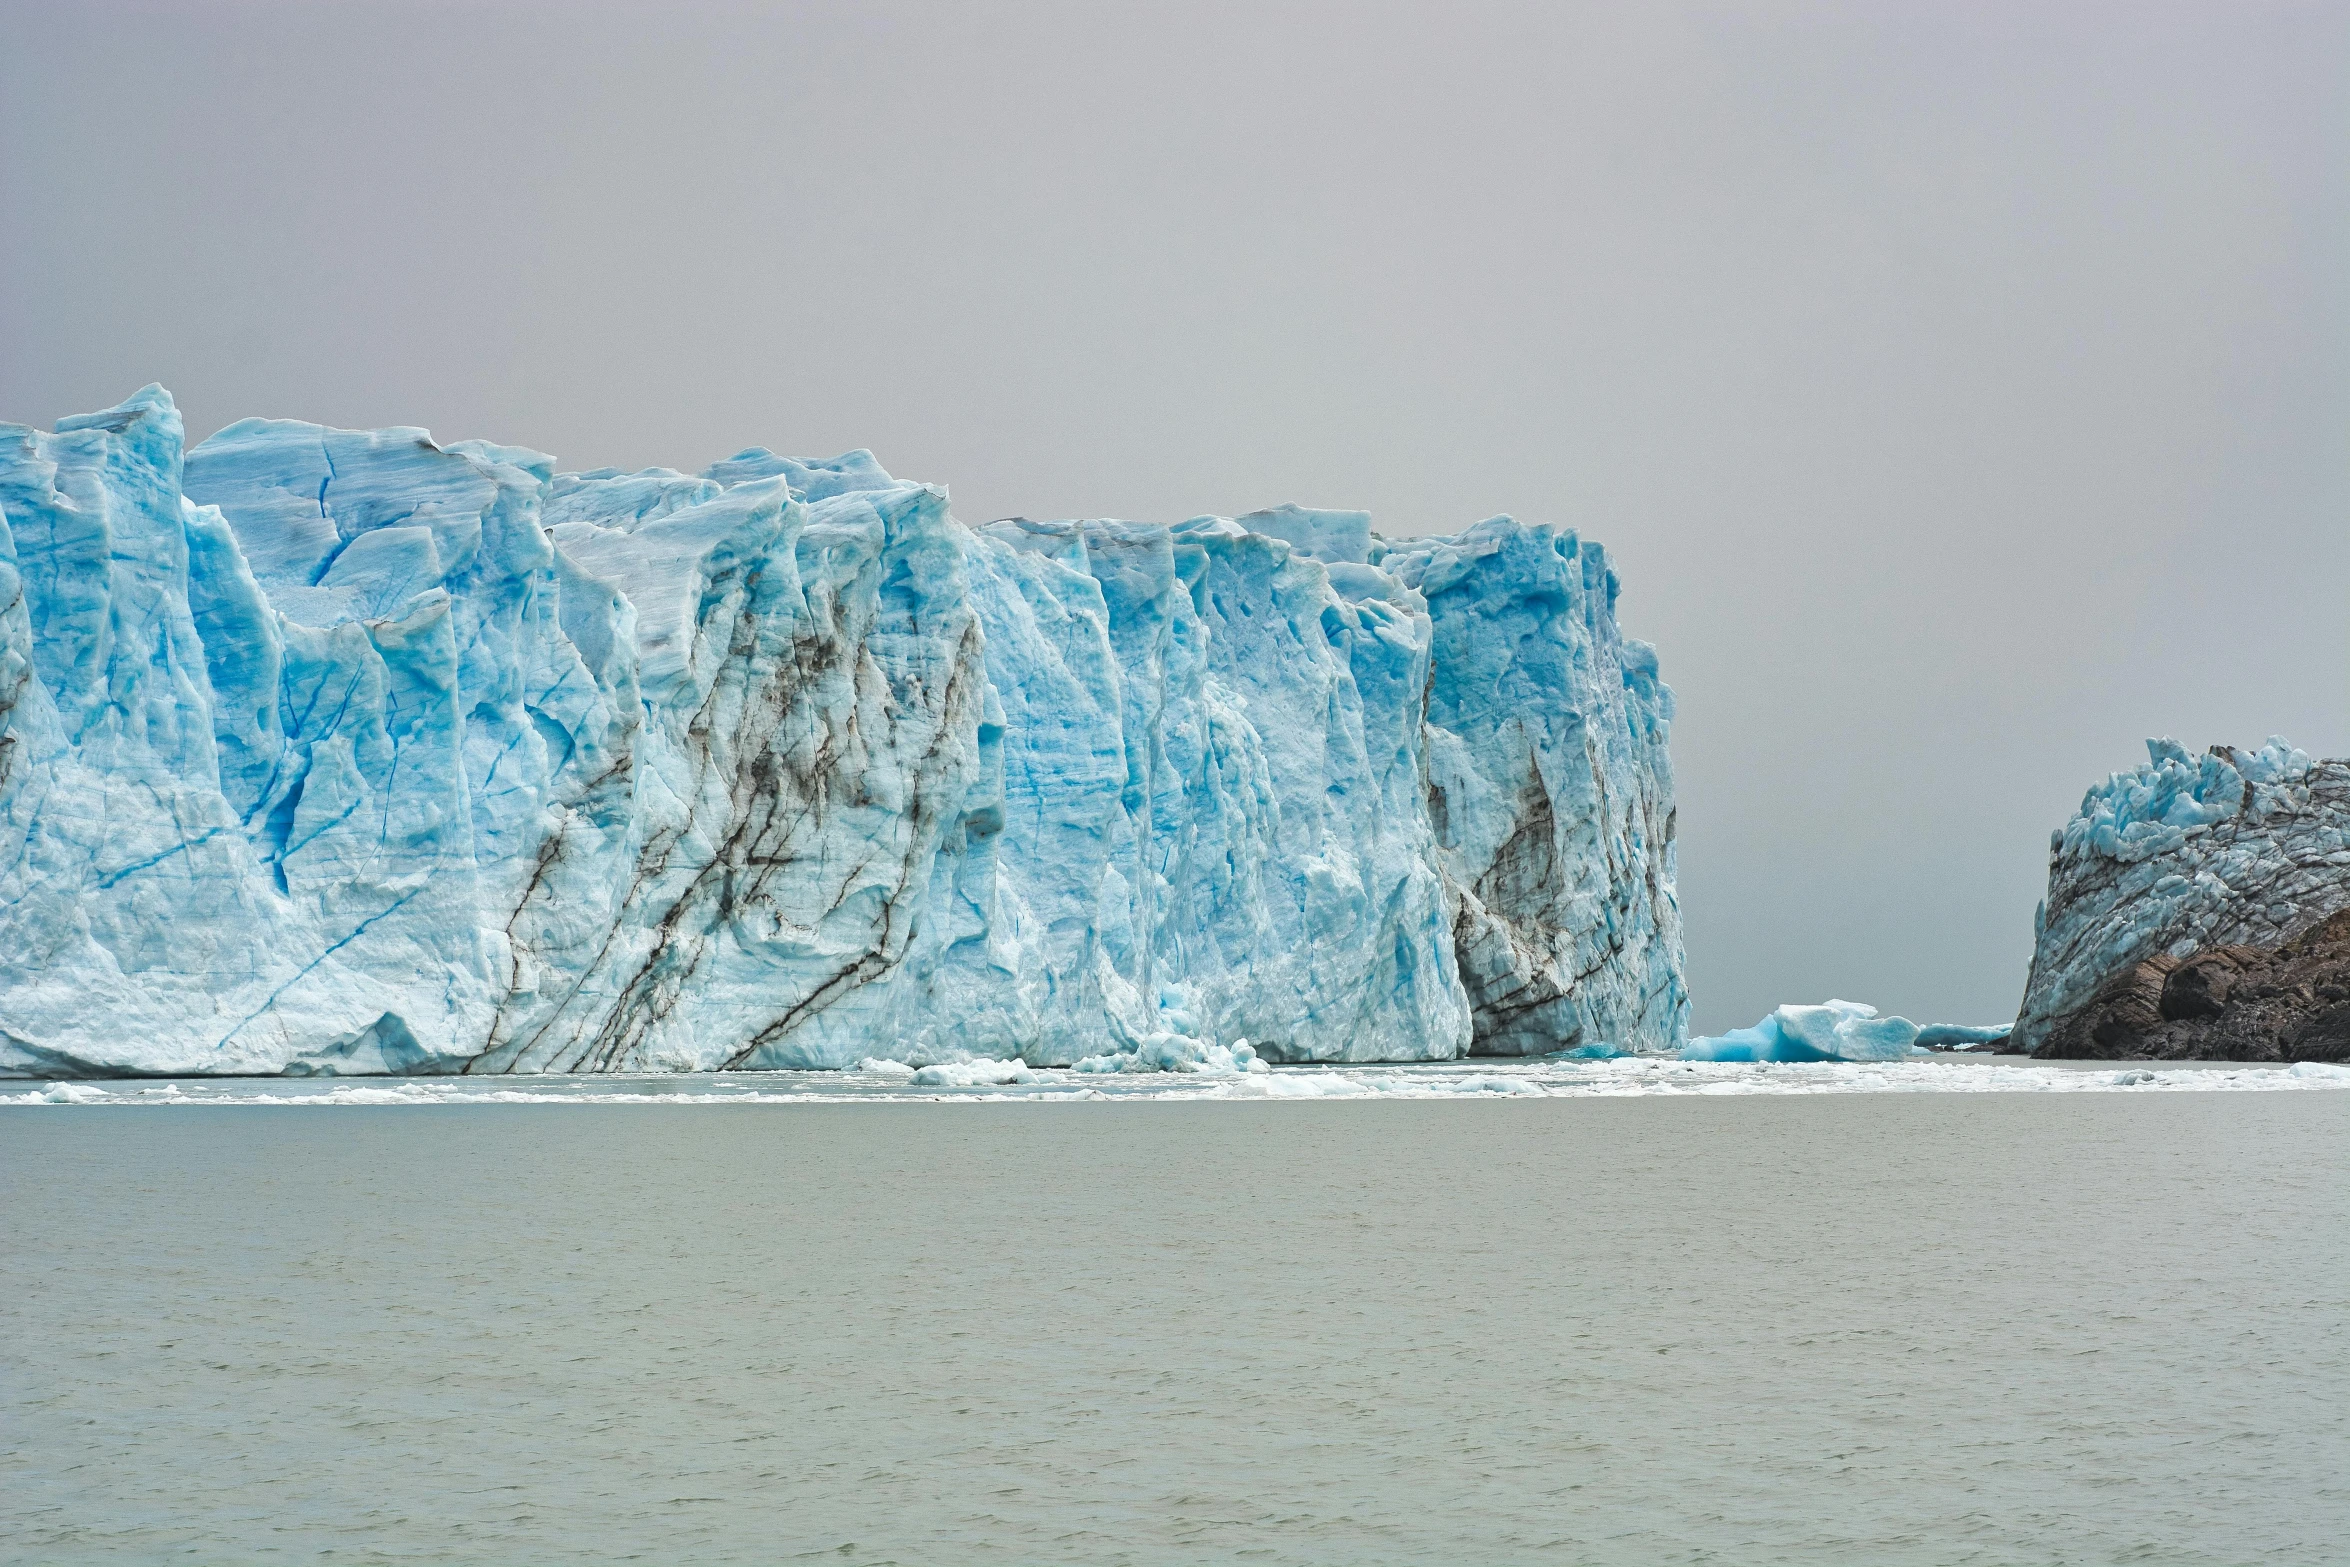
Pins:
x,y
1688,1320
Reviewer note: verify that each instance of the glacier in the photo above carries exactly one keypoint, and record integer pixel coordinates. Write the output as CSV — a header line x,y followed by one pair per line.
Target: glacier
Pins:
x,y
350,752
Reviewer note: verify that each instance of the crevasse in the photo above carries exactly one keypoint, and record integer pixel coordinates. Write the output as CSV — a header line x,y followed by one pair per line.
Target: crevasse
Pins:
x,y
346,751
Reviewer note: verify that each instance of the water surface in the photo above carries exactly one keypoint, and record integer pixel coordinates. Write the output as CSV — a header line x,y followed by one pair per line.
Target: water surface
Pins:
x,y
1802,1328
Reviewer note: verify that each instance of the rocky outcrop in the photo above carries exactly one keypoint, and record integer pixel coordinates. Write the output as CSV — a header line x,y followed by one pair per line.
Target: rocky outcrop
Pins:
x,y
2190,912
2231,1003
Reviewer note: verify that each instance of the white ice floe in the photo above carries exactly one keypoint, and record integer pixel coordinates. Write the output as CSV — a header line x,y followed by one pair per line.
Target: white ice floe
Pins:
x,y
1006,1081
970,1074
1179,1053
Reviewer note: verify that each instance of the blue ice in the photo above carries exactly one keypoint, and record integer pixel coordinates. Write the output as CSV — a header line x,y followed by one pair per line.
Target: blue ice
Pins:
x,y
335,751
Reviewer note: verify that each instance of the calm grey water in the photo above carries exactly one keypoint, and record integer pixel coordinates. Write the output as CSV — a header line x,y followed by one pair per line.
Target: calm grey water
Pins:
x,y
1881,1329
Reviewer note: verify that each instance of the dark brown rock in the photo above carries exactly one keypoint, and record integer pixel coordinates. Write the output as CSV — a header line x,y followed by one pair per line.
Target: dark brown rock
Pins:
x,y
2325,1037
2199,987
2290,1002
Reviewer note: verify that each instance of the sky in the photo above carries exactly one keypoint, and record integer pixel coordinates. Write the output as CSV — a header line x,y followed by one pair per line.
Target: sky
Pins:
x,y
1963,388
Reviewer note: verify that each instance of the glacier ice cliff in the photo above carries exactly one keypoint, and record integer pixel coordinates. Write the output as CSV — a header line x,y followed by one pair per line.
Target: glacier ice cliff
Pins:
x,y
2235,854
346,751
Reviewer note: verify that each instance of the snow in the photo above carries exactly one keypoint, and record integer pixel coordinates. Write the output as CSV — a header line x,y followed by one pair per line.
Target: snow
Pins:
x,y
334,753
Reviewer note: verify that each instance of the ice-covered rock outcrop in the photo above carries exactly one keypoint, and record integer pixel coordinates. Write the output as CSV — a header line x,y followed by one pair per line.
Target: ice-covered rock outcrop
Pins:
x,y
2232,848
347,751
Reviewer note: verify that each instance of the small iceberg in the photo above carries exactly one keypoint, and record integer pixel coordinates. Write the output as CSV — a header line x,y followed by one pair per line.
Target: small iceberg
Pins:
x,y
1834,1031
1962,1036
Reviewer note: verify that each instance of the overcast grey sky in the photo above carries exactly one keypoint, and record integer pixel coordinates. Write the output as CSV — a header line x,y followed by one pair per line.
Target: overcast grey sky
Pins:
x,y
1963,388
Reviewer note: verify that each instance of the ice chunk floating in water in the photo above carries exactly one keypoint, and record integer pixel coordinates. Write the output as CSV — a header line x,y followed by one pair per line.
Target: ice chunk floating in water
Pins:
x,y
1836,1031
1961,1036
329,752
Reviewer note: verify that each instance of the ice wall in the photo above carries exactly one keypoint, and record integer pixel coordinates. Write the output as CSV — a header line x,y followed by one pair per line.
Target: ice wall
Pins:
x,y
1549,791
346,751
2232,847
